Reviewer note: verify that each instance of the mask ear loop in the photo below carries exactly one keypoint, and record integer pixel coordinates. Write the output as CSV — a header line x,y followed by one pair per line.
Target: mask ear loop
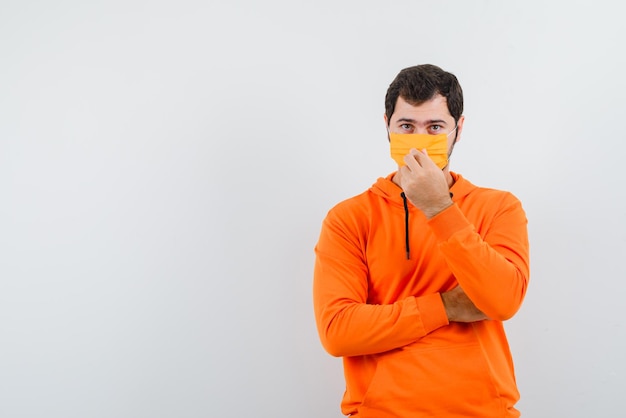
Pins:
x,y
456,134
452,147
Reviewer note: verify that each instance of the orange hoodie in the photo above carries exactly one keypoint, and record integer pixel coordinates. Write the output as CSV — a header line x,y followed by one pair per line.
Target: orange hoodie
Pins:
x,y
382,312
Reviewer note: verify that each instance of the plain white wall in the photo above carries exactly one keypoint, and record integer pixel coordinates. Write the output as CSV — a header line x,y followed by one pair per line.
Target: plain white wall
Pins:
x,y
165,168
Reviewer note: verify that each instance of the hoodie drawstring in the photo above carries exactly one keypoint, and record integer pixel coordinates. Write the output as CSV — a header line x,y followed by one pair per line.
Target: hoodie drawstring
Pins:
x,y
406,226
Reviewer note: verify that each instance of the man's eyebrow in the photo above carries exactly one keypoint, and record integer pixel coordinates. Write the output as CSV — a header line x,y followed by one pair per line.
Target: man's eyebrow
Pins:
x,y
428,122
440,121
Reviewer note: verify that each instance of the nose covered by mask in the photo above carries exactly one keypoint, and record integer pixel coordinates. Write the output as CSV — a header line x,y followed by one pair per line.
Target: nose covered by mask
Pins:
x,y
435,145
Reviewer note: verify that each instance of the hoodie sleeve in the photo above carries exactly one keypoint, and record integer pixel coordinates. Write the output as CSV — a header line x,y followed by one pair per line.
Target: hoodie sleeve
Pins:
x,y
492,267
347,324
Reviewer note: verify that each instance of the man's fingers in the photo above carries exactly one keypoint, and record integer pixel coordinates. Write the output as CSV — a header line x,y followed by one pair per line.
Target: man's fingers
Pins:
x,y
422,158
414,159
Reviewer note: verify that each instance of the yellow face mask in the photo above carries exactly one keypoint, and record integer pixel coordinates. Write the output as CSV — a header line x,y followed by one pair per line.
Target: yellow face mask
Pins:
x,y
436,145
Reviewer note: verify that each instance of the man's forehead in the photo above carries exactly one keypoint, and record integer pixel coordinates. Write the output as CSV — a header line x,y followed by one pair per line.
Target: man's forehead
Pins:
x,y
432,110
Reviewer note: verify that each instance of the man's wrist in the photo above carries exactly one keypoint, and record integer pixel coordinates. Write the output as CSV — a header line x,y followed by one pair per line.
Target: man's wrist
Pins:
x,y
432,212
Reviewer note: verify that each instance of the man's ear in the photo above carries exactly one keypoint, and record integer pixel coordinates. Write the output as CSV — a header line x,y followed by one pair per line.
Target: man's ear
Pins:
x,y
386,126
459,128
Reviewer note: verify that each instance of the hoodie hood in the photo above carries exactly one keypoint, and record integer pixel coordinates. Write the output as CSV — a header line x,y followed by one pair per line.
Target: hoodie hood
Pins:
x,y
391,192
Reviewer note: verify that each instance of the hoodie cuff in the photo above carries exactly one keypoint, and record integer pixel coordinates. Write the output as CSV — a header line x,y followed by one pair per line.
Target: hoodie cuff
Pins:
x,y
432,312
448,222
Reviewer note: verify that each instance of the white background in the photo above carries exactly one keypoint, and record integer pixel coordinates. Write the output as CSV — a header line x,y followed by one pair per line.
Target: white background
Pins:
x,y
165,168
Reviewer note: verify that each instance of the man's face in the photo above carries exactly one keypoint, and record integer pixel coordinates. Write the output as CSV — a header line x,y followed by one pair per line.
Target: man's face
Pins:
x,y
431,117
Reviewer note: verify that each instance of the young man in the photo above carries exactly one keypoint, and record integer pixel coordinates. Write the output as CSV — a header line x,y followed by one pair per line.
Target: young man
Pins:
x,y
414,277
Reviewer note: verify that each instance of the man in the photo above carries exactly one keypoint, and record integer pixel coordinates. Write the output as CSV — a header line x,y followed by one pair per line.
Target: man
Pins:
x,y
414,277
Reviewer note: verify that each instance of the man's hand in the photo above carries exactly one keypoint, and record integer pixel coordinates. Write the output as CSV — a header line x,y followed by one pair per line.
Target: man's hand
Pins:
x,y
424,184
459,307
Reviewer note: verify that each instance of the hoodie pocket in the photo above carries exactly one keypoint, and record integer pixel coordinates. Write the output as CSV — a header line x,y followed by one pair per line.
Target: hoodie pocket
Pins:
x,y
443,382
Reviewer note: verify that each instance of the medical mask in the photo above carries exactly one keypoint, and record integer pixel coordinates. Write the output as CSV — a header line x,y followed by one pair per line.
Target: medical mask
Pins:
x,y
435,145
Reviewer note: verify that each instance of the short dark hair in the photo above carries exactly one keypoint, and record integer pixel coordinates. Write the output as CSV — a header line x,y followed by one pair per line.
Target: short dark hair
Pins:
x,y
421,83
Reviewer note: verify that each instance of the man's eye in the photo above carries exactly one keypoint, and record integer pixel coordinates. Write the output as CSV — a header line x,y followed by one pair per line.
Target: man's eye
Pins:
x,y
406,127
435,128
